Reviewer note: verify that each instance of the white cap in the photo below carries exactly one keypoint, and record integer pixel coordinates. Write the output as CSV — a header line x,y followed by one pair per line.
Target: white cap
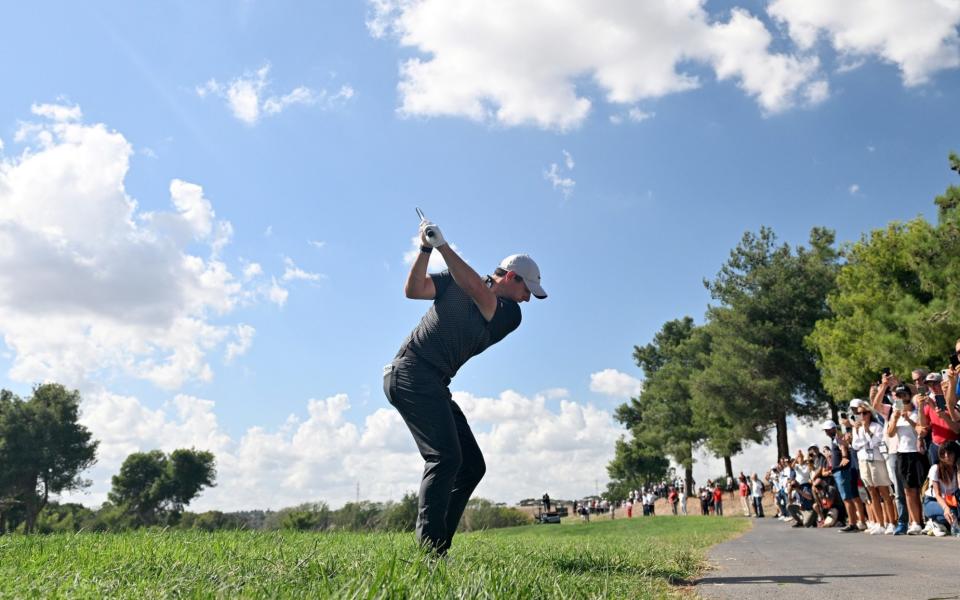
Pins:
x,y
525,267
829,425
856,403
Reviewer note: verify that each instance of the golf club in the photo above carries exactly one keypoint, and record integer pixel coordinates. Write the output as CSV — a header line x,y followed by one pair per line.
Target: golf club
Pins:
x,y
422,219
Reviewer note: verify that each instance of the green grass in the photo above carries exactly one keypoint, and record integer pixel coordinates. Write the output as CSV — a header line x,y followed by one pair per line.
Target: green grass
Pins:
x,y
636,558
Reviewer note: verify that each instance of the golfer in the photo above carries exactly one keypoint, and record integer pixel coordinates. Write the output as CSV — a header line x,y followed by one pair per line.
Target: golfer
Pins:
x,y
468,315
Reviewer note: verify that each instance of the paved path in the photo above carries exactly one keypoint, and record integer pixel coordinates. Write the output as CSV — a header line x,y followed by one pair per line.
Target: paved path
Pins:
x,y
774,561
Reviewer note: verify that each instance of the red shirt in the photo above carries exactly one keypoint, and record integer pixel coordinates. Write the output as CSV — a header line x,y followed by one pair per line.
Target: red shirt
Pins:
x,y
939,429
717,495
744,489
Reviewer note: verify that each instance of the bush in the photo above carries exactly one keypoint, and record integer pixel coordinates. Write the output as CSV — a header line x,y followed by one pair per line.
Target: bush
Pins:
x,y
314,516
64,518
484,514
358,516
401,516
213,520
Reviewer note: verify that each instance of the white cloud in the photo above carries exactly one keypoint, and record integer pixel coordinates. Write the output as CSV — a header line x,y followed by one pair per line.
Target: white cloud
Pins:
x,y
248,96
242,342
871,149
637,116
920,37
193,207
277,294
524,69
318,244
558,179
292,272
528,447
91,286
616,384
268,231
854,189
57,112
252,270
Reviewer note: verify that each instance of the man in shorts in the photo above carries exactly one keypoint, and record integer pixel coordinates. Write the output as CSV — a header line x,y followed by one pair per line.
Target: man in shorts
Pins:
x,y
843,475
468,314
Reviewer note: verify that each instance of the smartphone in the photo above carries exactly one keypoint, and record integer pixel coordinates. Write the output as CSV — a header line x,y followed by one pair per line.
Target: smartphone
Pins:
x,y
843,416
885,370
954,360
898,404
941,402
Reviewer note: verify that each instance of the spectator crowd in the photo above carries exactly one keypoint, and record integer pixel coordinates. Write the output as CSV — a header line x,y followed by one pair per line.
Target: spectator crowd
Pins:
x,y
887,467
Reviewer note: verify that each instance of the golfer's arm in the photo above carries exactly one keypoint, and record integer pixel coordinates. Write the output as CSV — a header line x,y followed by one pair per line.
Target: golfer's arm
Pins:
x,y
419,286
469,282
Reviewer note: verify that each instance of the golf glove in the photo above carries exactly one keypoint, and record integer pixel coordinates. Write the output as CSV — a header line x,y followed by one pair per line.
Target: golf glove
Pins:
x,y
432,234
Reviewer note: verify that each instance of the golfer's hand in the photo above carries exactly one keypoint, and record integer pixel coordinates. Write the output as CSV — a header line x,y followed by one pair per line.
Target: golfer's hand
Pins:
x,y
431,235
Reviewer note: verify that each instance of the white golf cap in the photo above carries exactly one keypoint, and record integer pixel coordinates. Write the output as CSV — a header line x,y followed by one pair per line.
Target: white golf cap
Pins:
x,y
829,425
527,268
856,403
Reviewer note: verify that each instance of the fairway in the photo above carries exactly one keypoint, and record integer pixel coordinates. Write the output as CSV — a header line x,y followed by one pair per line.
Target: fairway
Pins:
x,y
636,558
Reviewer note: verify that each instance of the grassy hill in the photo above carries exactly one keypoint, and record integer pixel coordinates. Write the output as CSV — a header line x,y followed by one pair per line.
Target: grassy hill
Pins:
x,y
636,558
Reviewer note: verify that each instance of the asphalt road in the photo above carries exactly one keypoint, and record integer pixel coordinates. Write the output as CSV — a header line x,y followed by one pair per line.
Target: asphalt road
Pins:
x,y
774,561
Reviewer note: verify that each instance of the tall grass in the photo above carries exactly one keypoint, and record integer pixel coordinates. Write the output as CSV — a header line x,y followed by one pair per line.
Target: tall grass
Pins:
x,y
606,559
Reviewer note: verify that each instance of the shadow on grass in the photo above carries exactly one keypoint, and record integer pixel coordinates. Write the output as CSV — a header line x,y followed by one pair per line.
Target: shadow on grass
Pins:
x,y
589,565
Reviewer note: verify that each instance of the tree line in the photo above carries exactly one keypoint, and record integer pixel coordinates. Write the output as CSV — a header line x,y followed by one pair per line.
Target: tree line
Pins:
x,y
44,450
363,516
791,332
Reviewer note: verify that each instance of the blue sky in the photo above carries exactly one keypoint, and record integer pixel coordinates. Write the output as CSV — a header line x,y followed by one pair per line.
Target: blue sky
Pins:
x,y
627,202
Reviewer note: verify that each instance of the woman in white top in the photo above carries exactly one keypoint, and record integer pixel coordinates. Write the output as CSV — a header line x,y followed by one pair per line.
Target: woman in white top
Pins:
x,y
911,463
940,501
867,440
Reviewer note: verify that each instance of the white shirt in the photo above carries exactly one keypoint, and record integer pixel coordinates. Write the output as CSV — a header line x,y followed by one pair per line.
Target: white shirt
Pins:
x,y
756,488
906,434
867,441
802,473
946,488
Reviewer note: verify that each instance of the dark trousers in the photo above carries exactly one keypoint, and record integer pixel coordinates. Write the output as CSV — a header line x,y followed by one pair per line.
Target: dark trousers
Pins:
x,y
454,463
757,506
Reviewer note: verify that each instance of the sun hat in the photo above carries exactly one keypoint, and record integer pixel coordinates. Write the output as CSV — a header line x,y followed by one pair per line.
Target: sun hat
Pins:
x,y
527,268
856,403
933,377
829,425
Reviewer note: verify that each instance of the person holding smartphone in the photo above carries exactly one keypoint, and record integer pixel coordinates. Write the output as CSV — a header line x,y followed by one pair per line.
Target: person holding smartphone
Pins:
x,y
883,398
935,418
867,441
912,465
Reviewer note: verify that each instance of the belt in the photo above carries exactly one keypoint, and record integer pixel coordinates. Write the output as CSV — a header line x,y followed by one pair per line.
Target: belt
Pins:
x,y
407,352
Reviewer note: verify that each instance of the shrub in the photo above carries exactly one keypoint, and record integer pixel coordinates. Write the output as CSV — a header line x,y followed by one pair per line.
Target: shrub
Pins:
x,y
484,514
